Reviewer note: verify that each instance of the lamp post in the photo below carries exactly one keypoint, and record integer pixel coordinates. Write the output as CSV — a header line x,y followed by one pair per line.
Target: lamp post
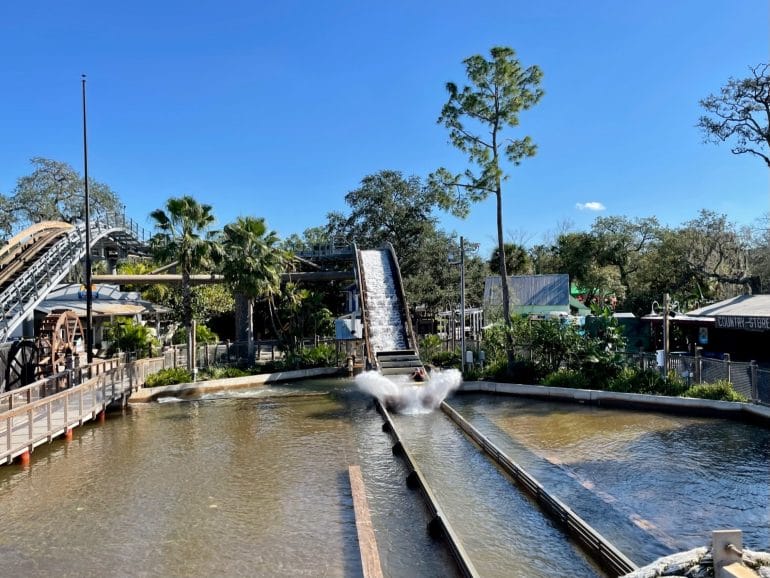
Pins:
x,y
471,247
667,305
89,293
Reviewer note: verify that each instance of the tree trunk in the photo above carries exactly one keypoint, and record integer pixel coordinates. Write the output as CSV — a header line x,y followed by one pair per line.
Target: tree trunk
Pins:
x,y
504,280
188,318
250,328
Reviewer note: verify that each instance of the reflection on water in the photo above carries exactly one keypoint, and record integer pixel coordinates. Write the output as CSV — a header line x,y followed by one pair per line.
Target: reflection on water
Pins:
x,y
224,487
503,532
675,478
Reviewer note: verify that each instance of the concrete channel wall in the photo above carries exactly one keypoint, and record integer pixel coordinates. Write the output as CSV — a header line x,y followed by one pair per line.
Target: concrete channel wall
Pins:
x,y
189,390
686,405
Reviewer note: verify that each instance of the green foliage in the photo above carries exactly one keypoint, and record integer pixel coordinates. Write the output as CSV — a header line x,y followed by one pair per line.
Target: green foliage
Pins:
x,y
203,335
169,376
555,343
430,346
125,334
53,192
184,235
446,359
322,355
219,372
649,381
720,390
567,378
741,114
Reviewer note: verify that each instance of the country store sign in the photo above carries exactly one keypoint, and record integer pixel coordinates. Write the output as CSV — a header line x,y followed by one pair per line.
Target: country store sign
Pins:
x,y
746,323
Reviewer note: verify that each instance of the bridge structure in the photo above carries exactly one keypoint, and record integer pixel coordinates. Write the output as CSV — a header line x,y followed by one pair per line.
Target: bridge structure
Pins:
x,y
36,260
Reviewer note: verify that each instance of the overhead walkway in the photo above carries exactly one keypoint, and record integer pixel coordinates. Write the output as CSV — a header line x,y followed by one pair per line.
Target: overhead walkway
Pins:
x,y
39,258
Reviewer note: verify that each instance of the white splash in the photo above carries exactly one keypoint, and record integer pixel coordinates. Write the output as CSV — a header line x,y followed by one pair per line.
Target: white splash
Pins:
x,y
401,394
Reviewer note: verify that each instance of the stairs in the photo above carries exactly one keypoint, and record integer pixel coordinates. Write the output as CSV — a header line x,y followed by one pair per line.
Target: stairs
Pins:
x,y
403,362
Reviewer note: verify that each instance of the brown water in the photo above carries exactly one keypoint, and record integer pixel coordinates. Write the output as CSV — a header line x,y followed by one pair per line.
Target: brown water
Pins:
x,y
220,487
241,485
652,483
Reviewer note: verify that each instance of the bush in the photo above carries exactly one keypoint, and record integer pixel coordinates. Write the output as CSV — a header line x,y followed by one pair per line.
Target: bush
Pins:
x,y
446,359
721,390
322,355
203,335
430,346
169,376
649,381
567,378
225,372
125,334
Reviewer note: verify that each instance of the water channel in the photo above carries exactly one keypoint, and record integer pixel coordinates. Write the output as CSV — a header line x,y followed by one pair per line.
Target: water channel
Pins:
x,y
254,483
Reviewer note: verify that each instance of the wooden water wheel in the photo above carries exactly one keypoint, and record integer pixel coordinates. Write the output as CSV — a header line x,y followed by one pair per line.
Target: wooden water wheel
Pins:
x,y
58,340
22,365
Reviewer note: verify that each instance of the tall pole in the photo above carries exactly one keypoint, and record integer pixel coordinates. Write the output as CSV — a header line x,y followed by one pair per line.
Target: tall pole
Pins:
x,y
462,304
666,307
89,292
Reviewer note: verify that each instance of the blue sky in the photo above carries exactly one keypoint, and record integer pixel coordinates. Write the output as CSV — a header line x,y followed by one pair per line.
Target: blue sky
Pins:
x,y
278,109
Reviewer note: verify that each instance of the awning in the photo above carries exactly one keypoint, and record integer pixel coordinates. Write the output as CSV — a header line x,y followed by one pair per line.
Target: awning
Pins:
x,y
106,308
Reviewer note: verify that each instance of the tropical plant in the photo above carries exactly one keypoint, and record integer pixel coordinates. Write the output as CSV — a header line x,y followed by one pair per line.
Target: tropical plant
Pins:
x,y
126,334
252,264
170,376
184,236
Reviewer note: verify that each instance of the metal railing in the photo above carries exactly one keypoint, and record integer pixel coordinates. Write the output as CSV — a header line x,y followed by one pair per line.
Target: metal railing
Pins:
x,y
747,378
44,273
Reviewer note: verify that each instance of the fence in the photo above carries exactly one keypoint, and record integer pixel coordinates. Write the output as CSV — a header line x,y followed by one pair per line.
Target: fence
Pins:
x,y
747,378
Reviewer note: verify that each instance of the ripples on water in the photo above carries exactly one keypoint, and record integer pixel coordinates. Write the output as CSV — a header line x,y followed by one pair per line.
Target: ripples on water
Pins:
x,y
675,477
230,486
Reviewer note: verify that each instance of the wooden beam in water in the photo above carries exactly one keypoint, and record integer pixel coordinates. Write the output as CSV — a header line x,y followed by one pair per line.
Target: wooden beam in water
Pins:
x,y
370,557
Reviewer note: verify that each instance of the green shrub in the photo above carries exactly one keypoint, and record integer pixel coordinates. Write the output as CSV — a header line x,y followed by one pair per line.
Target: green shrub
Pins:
x,y
203,335
430,345
446,359
216,372
323,355
566,378
648,381
168,377
721,390
125,334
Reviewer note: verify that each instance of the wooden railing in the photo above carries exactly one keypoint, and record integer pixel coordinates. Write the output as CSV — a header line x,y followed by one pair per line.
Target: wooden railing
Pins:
x,y
43,410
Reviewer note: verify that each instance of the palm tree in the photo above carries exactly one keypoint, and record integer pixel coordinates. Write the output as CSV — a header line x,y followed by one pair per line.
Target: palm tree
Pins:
x,y
184,236
252,264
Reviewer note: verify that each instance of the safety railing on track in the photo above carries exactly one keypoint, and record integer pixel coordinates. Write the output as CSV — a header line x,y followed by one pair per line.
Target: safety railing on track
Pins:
x,y
33,415
19,298
608,556
438,524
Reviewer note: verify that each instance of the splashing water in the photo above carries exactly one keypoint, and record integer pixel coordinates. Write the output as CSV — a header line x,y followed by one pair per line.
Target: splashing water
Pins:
x,y
401,394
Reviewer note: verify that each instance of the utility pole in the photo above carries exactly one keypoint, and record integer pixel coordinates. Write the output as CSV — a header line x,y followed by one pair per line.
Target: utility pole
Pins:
x,y
89,292
462,304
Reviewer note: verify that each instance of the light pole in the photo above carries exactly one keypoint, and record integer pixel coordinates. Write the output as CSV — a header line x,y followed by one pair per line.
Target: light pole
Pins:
x,y
667,305
471,247
89,293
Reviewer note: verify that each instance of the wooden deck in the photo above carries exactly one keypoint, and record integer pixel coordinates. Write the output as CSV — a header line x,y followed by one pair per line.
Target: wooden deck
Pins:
x,y
42,411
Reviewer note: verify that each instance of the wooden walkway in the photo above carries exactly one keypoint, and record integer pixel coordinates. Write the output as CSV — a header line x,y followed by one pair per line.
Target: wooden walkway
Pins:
x,y
49,408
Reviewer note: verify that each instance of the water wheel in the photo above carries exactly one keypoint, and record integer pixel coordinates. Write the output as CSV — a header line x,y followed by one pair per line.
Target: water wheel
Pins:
x,y
22,365
58,341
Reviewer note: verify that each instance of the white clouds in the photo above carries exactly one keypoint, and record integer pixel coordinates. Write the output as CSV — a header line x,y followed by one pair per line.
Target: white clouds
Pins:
x,y
590,206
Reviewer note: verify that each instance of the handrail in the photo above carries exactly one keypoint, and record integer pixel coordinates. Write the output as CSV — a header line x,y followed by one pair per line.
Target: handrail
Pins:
x,y
39,421
361,282
39,389
29,289
601,549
